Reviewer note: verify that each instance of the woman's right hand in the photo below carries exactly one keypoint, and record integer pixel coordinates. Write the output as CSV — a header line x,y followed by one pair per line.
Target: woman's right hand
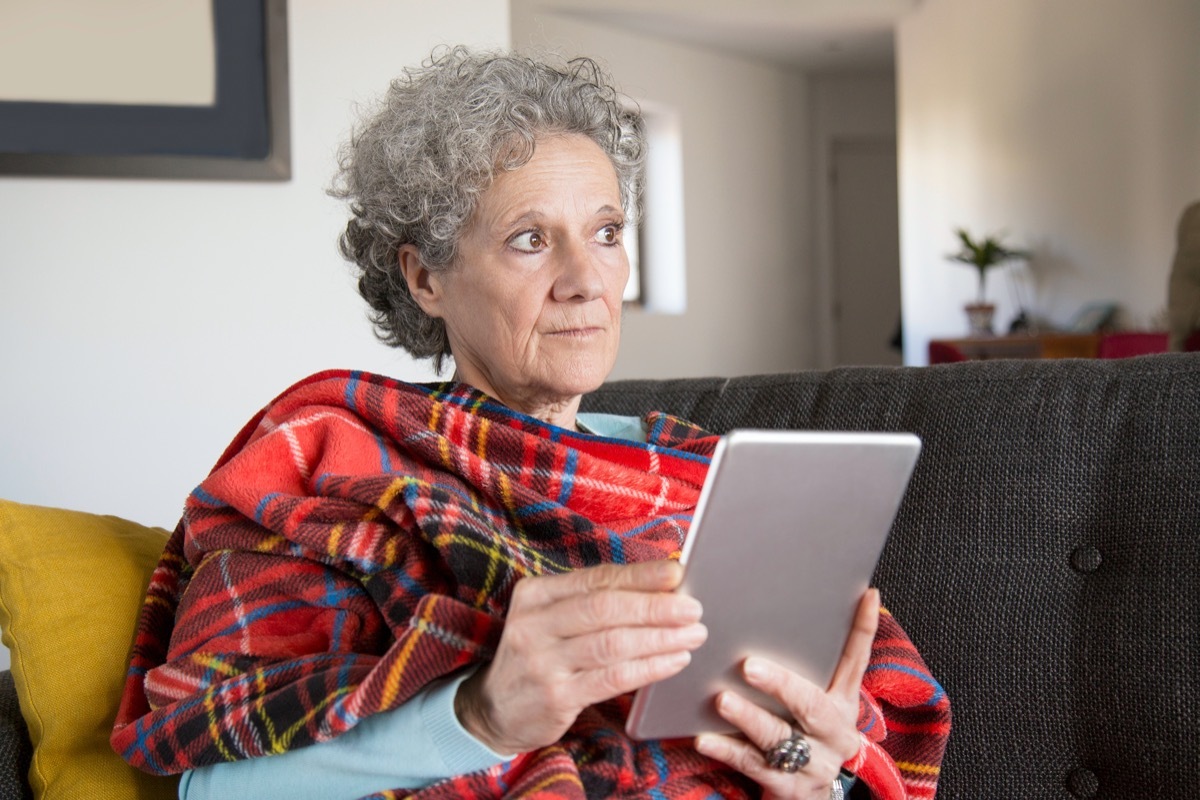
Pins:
x,y
577,639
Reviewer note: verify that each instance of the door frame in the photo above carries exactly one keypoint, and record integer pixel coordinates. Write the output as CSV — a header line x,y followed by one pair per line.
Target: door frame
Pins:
x,y
824,291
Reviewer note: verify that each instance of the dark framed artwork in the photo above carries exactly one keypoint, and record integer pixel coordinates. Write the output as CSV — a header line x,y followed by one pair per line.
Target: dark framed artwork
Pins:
x,y
242,135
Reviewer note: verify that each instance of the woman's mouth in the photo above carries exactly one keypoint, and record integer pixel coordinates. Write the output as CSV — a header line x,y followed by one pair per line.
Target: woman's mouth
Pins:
x,y
582,332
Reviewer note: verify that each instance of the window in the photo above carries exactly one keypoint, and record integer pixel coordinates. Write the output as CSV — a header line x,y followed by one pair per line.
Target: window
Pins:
x,y
655,241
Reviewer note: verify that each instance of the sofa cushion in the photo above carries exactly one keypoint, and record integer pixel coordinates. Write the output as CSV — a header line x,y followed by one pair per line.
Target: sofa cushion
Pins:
x,y
71,585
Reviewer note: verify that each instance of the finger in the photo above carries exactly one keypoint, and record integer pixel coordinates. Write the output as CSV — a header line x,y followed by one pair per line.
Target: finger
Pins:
x,y
607,608
812,780
648,576
825,719
856,655
614,645
803,698
758,724
739,755
598,685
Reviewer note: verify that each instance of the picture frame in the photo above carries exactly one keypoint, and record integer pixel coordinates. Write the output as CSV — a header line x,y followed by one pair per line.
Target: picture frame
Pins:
x,y
244,135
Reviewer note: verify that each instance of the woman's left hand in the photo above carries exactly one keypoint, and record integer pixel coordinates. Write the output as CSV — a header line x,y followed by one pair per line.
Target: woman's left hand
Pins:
x,y
826,717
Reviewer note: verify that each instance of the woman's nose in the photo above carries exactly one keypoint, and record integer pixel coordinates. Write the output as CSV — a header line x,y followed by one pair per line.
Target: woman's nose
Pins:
x,y
579,276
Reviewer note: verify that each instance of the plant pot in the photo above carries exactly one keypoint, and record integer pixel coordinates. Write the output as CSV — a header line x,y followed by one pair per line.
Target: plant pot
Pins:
x,y
979,318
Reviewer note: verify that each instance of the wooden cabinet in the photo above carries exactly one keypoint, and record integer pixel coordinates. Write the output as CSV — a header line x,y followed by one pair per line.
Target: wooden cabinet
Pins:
x,y
1044,345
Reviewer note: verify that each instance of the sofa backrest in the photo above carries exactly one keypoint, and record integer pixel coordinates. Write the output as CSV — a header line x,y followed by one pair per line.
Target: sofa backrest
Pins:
x,y
1046,560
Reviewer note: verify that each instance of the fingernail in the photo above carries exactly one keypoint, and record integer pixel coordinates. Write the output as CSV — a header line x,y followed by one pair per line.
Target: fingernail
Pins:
x,y
755,668
668,570
695,634
690,608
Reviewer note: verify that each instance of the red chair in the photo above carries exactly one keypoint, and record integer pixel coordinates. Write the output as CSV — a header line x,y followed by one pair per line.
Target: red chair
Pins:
x,y
1193,342
944,353
1128,344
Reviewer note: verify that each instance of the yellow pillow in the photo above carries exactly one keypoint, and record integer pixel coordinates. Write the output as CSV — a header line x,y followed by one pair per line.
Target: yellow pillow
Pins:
x,y
71,585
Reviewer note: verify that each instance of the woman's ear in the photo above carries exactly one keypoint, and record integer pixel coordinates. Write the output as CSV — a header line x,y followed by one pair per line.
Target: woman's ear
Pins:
x,y
423,285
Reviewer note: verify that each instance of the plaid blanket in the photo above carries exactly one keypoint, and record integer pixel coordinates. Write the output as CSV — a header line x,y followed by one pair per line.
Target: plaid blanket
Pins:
x,y
362,536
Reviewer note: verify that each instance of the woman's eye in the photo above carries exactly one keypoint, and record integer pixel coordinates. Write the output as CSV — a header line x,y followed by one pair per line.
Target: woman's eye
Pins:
x,y
528,242
609,234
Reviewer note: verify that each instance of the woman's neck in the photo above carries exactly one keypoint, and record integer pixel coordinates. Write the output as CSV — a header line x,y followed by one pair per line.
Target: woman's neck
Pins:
x,y
560,412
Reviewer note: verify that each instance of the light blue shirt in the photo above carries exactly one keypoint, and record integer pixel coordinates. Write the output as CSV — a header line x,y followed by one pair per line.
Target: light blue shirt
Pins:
x,y
614,426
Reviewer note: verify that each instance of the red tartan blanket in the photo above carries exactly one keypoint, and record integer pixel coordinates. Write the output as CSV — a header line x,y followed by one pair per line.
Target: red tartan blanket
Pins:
x,y
362,536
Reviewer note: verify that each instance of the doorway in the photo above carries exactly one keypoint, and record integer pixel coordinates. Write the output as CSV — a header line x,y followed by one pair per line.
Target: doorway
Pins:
x,y
865,251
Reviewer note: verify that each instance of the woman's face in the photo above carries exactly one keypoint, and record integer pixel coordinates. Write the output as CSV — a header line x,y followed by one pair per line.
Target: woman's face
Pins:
x,y
532,305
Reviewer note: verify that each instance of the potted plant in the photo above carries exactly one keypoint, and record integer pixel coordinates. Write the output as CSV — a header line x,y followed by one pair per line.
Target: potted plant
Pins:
x,y
982,255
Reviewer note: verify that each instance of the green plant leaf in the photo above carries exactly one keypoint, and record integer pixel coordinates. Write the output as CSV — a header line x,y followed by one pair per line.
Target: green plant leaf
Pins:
x,y
983,255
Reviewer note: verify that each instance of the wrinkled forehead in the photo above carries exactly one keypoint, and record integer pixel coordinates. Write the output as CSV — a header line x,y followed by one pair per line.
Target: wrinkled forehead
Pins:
x,y
565,175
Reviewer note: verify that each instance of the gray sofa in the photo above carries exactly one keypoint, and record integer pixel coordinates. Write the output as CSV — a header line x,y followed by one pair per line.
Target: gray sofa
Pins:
x,y
1046,560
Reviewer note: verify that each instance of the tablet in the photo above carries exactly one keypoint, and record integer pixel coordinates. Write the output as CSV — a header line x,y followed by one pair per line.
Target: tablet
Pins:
x,y
783,543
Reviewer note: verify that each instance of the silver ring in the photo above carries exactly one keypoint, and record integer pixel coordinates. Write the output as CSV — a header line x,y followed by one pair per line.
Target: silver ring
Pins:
x,y
790,754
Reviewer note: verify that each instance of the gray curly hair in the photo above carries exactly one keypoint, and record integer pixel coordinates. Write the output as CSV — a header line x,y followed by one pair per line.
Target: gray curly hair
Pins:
x,y
414,170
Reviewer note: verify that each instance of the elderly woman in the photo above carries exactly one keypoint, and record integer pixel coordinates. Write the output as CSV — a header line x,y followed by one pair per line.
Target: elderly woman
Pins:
x,y
450,590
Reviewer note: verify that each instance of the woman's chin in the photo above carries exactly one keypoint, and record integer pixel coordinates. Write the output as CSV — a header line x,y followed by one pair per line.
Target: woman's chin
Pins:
x,y
578,376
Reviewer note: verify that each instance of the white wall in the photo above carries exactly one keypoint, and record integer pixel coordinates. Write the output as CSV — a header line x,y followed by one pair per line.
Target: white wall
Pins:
x,y
1074,125
143,322
745,148
844,107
